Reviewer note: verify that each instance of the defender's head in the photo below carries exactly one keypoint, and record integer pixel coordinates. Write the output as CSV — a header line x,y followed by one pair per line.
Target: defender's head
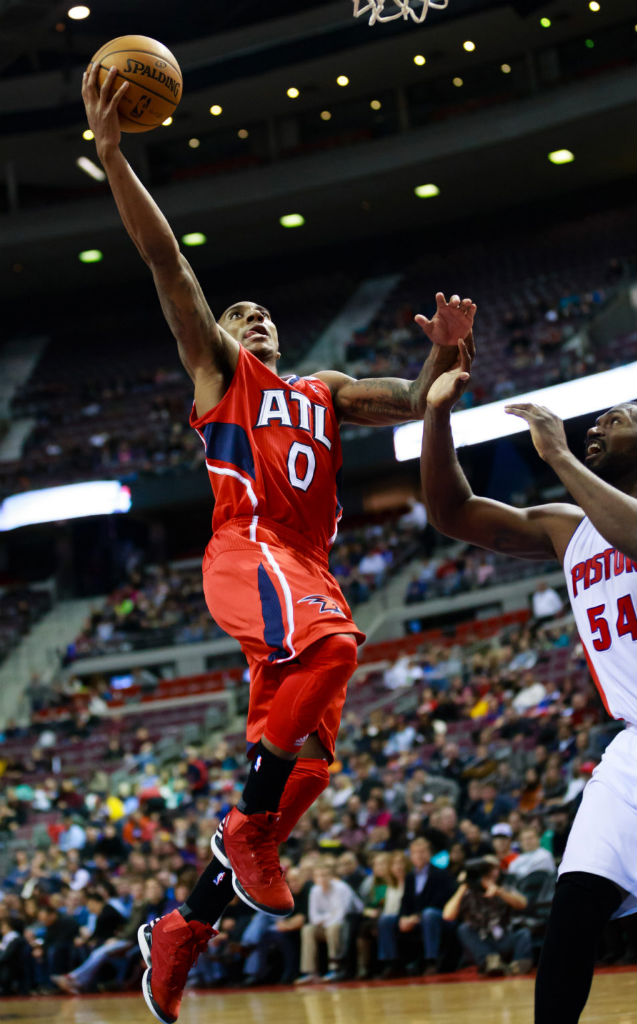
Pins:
x,y
611,444
251,325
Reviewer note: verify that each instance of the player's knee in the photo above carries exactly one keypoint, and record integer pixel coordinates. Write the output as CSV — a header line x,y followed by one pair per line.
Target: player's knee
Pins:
x,y
336,652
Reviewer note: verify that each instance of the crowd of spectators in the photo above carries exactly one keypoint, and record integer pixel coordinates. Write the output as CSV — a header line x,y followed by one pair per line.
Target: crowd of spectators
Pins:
x,y
434,848
20,608
124,410
161,605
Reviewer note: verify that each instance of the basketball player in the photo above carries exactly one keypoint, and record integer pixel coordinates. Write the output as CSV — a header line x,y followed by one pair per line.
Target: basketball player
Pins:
x,y
273,455
596,542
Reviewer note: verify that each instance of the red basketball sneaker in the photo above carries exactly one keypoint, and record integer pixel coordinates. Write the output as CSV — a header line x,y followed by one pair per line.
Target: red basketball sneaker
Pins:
x,y
247,843
170,947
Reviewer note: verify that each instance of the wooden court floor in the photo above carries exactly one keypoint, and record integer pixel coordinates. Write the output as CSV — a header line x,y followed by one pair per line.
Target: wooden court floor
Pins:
x,y
613,1000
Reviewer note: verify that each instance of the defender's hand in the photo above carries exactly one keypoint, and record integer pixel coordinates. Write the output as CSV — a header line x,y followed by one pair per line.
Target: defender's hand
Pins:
x,y
101,107
448,387
547,429
452,320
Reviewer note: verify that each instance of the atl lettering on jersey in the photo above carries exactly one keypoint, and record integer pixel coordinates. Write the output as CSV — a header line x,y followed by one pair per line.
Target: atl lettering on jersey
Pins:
x,y
273,455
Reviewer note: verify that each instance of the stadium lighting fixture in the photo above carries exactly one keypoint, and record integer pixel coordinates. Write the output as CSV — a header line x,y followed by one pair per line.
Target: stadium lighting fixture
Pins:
x,y
243,133
194,238
420,60
90,256
545,22
375,104
78,12
561,156
293,92
505,69
90,168
292,220
326,115
457,81
216,109
427,191
594,6
469,45
194,143
73,501
88,135
167,122
342,80
488,422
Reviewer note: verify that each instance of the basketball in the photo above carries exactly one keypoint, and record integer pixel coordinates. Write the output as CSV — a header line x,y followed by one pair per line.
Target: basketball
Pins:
x,y
154,76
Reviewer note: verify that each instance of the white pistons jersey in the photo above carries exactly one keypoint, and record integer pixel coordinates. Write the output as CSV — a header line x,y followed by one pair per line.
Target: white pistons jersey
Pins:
x,y
602,586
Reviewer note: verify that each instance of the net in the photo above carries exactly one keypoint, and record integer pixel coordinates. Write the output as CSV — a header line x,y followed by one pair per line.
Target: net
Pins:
x,y
406,9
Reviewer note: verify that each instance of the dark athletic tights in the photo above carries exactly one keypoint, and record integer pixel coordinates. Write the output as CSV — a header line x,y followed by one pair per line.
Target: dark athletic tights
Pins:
x,y
582,905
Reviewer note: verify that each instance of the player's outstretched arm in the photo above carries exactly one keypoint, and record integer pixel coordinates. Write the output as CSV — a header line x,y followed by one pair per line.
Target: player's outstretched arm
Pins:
x,y
453,508
611,511
206,351
382,401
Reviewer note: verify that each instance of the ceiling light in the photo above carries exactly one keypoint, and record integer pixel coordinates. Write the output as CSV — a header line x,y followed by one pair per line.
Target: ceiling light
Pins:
x,y
90,168
505,69
457,82
215,110
419,59
168,121
342,80
545,22
243,133
194,143
90,256
594,6
326,115
79,12
293,92
561,156
292,220
194,238
427,191
88,135
375,104
469,46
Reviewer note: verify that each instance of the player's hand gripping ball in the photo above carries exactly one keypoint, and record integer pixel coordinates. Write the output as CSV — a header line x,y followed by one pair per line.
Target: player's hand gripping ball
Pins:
x,y
154,77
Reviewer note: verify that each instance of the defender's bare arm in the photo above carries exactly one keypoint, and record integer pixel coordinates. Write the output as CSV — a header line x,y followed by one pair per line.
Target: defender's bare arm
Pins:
x,y
534,533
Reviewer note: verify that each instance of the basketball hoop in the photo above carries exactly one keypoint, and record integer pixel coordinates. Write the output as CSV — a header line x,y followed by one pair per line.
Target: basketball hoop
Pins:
x,y
376,9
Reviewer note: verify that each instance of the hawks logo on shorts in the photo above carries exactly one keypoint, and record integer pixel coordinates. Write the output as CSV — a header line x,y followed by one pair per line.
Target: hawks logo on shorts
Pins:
x,y
324,603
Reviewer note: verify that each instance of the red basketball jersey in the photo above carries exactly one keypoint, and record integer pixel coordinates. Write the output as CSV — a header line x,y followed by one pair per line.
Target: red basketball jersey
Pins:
x,y
273,453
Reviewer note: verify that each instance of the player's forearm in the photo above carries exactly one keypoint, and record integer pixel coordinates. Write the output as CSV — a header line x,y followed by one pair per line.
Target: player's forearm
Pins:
x,y
440,359
445,487
142,218
610,510
384,401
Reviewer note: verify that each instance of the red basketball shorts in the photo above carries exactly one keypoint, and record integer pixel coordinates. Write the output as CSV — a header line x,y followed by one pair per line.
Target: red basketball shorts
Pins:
x,y
276,600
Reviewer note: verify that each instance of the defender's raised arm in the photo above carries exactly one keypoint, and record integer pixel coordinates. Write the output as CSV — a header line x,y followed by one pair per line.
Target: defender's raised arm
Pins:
x,y
453,508
208,353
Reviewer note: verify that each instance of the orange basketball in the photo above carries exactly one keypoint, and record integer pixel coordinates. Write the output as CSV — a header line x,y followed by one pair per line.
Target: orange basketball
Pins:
x,y
154,76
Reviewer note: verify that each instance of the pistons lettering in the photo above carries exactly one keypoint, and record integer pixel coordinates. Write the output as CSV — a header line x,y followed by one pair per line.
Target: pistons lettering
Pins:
x,y
137,67
601,566
292,409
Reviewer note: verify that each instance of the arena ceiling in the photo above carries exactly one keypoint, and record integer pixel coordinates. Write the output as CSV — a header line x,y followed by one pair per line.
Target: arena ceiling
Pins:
x,y
244,53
